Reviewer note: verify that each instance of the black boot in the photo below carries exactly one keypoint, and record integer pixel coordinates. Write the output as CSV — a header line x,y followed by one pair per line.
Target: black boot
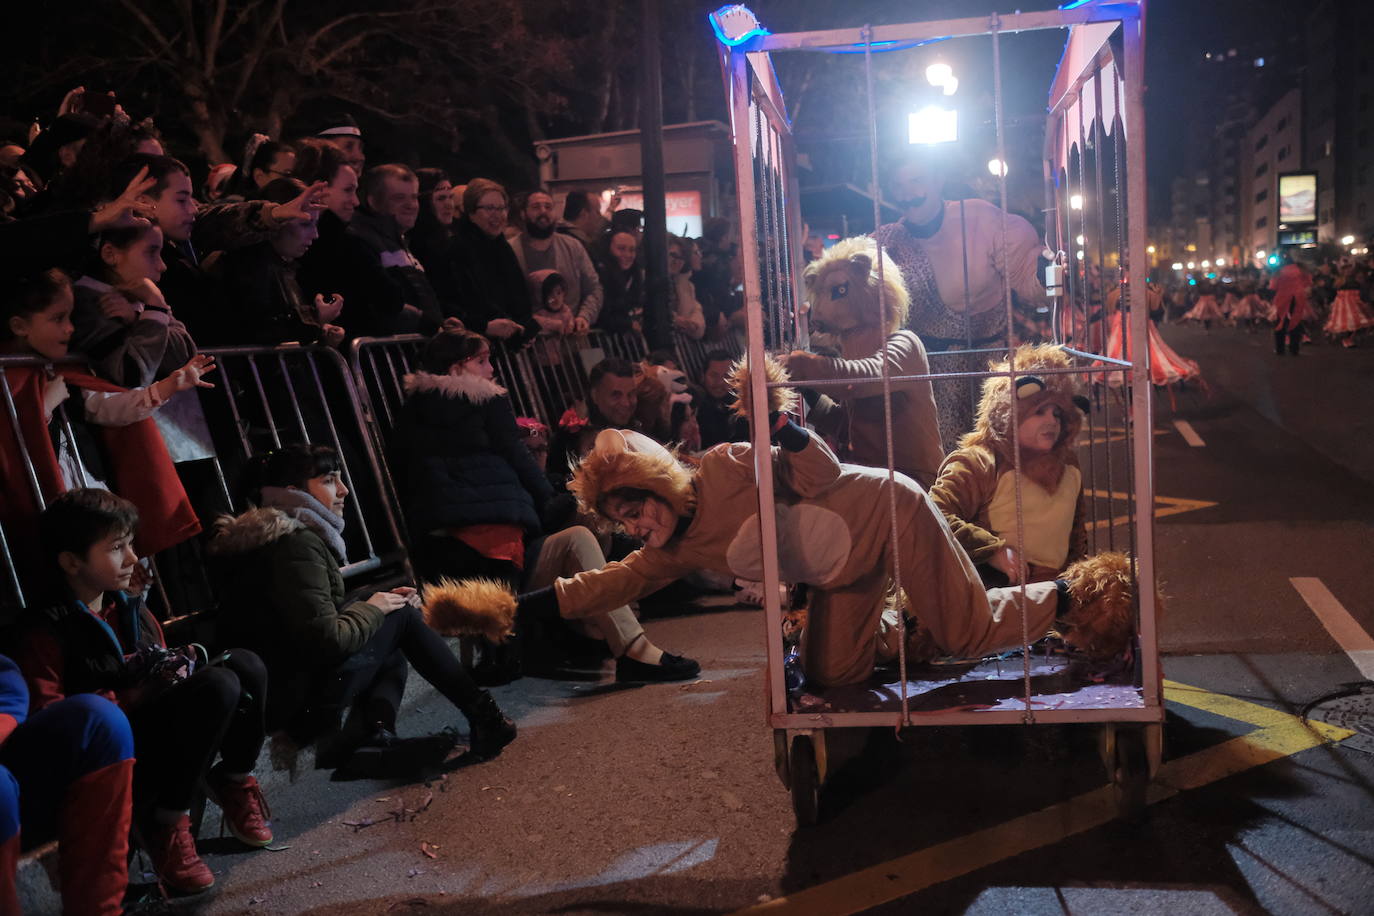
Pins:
x,y
489,729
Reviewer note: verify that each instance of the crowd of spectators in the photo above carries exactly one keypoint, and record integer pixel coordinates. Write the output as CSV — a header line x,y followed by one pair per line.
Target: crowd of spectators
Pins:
x,y
117,269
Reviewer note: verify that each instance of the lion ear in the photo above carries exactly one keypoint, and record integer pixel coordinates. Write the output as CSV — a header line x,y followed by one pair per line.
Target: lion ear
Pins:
x,y
809,275
860,265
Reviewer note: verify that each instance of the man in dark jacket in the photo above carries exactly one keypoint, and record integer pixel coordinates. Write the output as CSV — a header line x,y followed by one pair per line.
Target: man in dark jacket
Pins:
x,y
391,204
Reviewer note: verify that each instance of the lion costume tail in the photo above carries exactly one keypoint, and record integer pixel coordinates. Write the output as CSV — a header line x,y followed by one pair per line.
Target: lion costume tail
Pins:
x,y
470,607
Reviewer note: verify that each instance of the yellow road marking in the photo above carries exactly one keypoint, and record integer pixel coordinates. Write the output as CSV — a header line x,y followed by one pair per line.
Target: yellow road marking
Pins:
x,y
1108,434
1164,506
1277,735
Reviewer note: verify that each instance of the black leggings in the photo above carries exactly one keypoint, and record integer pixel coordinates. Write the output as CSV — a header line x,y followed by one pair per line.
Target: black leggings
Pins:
x,y
377,672
177,733
1293,336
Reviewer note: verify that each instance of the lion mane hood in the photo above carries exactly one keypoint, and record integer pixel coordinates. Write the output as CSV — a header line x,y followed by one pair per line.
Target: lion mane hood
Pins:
x,y
601,472
993,430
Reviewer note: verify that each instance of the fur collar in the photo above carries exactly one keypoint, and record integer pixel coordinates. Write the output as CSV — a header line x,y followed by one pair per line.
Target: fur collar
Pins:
x,y
471,387
251,530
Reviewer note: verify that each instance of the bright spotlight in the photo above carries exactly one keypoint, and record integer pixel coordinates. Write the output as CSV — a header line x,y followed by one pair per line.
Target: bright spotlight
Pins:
x,y
951,85
1220,262
1260,254
1347,240
939,74
933,125
1192,264
1206,264
1178,265
1149,249
1079,240
1075,201
1080,254
997,167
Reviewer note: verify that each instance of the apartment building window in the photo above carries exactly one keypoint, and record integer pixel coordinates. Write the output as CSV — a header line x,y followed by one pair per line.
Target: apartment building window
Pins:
x,y
1283,154
1326,149
1261,143
1283,122
1263,167
1261,222
1262,196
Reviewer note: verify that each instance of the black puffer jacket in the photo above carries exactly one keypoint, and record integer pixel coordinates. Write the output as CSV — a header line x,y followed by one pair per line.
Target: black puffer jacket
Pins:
x,y
490,283
465,462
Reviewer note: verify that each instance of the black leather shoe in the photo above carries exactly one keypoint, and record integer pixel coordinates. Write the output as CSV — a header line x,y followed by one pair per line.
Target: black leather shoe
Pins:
x,y
670,668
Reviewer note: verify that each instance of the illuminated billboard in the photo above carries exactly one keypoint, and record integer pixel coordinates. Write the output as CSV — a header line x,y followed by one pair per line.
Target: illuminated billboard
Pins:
x,y
1298,197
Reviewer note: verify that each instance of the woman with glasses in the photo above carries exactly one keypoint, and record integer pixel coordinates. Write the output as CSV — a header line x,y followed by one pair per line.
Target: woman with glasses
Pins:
x,y
264,160
491,295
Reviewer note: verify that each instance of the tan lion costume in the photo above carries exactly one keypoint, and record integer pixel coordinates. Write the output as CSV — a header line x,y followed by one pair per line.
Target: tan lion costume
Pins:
x,y
977,486
834,534
847,317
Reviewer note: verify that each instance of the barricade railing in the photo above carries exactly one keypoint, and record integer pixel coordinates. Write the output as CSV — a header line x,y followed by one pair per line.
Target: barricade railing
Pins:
x,y
290,394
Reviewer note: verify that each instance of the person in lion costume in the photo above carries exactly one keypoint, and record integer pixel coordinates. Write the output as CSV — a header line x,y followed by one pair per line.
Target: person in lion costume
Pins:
x,y
834,534
855,317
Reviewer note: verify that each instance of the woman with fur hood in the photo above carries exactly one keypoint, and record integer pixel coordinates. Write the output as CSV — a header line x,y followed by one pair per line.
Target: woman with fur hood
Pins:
x,y
976,489
325,653
834,534
474,497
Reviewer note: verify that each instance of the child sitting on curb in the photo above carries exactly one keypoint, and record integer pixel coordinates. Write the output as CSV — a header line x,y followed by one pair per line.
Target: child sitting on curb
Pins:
x,y
185,712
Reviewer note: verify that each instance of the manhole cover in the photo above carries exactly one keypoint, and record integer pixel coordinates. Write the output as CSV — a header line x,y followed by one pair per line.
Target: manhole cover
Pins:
x,y
1354,711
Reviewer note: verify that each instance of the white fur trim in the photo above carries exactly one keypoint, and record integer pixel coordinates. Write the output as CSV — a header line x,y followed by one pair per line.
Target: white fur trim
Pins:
x,y
473,387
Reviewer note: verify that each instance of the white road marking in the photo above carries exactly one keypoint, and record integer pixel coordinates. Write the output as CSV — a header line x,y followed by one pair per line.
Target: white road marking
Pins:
x,y
1347,632
1189,434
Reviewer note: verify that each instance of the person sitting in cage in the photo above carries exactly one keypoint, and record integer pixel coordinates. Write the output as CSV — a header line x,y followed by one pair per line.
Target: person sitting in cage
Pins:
x,y
834,533
977,488
856,317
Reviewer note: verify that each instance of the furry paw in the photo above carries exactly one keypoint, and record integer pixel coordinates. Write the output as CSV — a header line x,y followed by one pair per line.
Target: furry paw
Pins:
x,y
1101,618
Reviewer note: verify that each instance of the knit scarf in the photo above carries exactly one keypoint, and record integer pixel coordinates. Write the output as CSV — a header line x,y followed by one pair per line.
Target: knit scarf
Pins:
x,y
303,507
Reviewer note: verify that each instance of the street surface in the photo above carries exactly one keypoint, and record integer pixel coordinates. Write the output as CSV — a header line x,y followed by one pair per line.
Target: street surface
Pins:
x,y
663,799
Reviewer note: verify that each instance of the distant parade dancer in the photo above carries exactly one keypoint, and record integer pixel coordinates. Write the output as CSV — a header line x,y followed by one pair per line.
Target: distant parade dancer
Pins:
x,y
1291,308
1206,309
1350,314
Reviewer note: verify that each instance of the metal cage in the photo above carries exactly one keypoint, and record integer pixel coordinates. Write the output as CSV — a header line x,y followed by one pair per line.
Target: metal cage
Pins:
x,y
1094,172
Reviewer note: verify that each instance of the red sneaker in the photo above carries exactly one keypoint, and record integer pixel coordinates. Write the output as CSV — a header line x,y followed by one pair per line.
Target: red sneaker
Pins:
x,y
173,851
245,809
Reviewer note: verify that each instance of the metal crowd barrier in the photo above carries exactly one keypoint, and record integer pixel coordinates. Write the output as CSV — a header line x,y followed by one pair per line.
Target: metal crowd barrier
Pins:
x,y
290,394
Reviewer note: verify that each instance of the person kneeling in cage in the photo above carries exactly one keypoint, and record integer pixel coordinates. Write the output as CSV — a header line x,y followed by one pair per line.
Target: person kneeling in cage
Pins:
x,y
834,534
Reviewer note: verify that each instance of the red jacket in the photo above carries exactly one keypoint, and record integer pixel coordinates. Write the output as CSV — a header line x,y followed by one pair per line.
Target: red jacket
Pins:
x,y
141,468
1290,287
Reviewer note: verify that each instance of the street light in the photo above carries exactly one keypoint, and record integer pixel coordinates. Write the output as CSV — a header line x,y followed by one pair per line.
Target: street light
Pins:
x,y
933,125
1348,240
1178,265
1075,201
1080,254
939,74
1259,255
1191,265
1221,262
1149,249
997,167
1206,264
1079,240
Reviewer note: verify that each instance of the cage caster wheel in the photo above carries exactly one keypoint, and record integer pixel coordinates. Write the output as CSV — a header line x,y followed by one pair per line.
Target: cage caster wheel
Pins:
x,y
1128,766
804,779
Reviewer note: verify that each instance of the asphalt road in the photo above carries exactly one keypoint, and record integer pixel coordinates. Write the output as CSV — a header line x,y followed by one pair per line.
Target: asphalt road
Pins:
x,y
663,799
